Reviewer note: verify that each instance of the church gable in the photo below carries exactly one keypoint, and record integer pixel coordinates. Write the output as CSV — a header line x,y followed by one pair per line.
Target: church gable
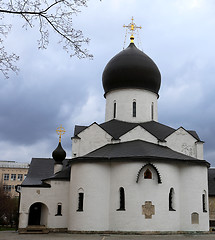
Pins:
x,y
138,133
89,139
184,142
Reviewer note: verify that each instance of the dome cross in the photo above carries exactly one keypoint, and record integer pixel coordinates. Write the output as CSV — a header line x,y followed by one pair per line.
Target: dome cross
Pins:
x,y
60,131
132,28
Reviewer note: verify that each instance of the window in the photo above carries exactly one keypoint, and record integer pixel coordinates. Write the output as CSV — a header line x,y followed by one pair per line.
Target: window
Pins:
x,y
195,218
59,209
152,111
121,199
204,206
6,176
134,108
80,200
20,177
114,110
13,177
171,199
7,188
147,174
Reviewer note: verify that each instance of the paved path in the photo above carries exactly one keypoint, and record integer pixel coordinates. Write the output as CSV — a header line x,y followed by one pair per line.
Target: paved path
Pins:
x,y
65,236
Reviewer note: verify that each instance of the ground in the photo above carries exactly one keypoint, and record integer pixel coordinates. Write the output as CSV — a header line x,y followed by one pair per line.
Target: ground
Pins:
x,y
64,236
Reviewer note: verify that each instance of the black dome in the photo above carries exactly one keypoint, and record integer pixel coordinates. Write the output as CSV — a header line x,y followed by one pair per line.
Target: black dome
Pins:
x,y
59,154
131,68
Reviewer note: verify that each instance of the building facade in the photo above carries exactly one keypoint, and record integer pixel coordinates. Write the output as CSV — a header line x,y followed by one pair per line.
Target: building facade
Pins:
x,y
130,173
11,174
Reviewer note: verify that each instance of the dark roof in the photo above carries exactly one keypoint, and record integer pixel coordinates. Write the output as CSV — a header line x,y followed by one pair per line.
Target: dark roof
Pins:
x,y
79,129
136,150
211,181
131,68
118,128
40,168
62,175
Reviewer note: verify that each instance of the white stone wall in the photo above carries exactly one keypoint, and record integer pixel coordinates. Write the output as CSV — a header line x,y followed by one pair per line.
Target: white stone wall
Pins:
x,y
138,133
124,101
94,181
50,197
90,139
183,142
101,183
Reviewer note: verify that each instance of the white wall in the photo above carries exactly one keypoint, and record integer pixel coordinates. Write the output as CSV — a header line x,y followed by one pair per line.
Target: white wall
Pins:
x,y
90,139
124,100
138,133
101,183
58,193
94,180
183,142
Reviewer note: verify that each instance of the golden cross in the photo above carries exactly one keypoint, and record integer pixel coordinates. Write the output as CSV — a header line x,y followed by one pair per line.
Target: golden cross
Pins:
x,y
132,27
60,131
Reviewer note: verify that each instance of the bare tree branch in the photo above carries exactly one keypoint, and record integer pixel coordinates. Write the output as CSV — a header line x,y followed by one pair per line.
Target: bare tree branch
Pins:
x,y
56,15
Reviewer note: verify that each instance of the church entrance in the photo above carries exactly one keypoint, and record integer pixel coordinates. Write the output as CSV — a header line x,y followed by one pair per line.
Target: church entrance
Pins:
x,y
38,214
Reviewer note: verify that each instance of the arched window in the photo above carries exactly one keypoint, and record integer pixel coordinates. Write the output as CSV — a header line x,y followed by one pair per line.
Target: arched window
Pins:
x,y
121,199
195,218
80,200
152,111
114,109
171,199
134,108
147,174
204,205
59,209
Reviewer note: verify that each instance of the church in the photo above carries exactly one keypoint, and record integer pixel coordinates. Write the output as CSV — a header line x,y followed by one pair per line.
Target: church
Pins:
x,y
127,174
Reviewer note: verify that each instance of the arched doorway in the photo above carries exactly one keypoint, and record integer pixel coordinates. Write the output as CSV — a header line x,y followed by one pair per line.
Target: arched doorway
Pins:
x,y
38,214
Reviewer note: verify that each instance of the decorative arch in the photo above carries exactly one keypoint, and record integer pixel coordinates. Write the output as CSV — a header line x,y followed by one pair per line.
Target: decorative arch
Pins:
x,y
38,214
153,167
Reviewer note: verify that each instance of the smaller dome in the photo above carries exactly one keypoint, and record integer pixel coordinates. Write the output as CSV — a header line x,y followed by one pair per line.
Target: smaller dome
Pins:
x,y
59,154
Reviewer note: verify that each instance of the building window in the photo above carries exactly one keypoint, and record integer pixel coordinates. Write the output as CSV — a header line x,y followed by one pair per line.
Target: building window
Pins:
x,y
134,108
121,199
147,174
195,218
80,200
152,111
7,188
25,175
13,177
171,199
6,176
59,209
204,206
114,110
20,177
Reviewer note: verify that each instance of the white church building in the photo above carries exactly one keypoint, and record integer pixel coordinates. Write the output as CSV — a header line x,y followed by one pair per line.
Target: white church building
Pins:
x,y
128,174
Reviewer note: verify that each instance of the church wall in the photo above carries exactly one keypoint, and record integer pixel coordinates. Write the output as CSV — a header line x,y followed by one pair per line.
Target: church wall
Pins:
x,y
124,105
124,175
181,141
193,184
91,138
58,193
93,180
138,133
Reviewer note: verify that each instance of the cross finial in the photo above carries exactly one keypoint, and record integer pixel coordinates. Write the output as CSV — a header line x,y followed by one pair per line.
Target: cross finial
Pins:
x,y
132,28
60,131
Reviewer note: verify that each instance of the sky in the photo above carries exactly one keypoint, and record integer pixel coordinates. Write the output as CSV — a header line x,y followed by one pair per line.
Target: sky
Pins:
x,y
52,88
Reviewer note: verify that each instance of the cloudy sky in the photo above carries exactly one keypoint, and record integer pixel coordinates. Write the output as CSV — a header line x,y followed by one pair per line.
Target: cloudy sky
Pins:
x,y
52,88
